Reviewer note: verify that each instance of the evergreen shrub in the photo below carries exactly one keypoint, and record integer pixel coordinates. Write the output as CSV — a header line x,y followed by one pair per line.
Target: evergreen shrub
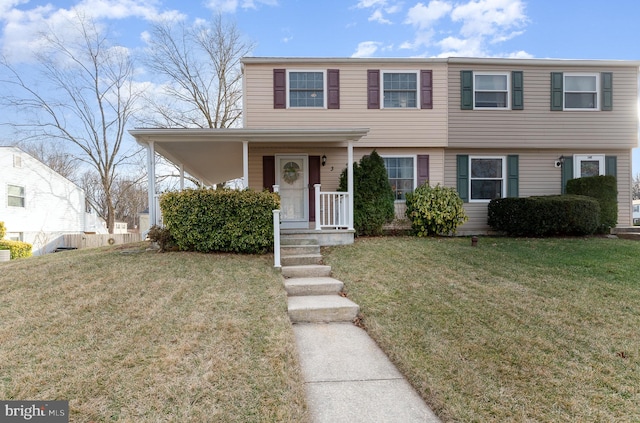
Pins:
x,y
373,199
18,249
434,210
207,220
545,215
604,189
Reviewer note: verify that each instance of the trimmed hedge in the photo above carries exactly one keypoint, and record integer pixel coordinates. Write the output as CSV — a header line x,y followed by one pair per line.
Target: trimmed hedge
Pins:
x,y
434,210
604,189
545,215
207,220
18,249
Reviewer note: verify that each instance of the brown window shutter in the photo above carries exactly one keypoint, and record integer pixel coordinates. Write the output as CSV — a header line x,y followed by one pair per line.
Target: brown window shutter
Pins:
x,y
268,172
426,89
423,169
314,178
373,89
333,88
279,89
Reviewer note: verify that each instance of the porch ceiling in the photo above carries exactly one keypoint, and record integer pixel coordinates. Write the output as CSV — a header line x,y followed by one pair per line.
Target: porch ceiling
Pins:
x,y
215,155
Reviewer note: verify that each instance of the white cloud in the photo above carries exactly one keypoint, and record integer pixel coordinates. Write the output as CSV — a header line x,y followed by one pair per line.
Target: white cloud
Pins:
x,y
367,49
482,23
424,17
381,8
231,6
377,16
23,27
492,18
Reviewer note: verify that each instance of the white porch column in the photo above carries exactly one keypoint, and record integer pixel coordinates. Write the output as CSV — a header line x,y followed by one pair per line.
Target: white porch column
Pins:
x,y
181,177
151,177
350,182
245,163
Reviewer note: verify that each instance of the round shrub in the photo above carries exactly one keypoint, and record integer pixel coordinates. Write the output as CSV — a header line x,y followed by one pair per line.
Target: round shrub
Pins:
x,y
435,210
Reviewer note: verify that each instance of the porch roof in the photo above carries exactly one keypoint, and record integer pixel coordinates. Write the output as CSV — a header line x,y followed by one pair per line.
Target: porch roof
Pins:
x,y
215,155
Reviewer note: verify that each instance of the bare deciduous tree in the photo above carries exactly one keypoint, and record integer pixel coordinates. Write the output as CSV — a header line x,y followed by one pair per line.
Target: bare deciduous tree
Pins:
x,y
635,187
84,96
54,155
201,64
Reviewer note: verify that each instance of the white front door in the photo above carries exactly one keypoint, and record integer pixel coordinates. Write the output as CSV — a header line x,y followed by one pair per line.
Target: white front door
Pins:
x,y
292,176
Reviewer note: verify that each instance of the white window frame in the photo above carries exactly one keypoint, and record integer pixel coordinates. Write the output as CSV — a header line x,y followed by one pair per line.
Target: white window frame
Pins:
x,y
414,158
14,236
508,92
382,91
324,88
564,91
578,158
24,196
503,192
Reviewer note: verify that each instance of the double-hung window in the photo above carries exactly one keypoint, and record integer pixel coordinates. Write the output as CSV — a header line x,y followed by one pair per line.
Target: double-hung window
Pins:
x,y
15,196
306,89
581,91
402,175
487,178
400,90
490,90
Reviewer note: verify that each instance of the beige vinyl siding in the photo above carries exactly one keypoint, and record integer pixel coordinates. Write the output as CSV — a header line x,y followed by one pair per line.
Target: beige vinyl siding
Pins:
x,y
537,126
539,176
388,127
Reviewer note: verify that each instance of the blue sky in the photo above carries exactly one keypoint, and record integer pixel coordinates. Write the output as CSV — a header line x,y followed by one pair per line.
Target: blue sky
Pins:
x,y
575,29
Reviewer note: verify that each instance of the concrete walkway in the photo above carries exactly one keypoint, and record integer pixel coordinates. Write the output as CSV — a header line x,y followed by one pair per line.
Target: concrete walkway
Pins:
x,y
349,379
347,376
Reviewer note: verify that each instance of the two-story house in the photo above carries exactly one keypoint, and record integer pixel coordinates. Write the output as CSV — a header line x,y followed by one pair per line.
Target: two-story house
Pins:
x,y
488,127
39,205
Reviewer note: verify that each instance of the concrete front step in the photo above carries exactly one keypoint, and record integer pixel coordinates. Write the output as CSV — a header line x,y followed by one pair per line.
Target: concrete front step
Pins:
x,y
291,240
292,250
321,308
629,235
306,271
312,286
301,260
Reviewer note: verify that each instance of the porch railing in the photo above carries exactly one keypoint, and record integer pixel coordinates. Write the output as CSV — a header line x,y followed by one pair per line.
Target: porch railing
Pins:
x,y
332,209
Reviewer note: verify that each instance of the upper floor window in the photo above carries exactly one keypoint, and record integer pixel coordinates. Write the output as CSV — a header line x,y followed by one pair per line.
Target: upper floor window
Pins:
x,y
15,196
491,90
581,91
401,171
487,178
306,89
400,90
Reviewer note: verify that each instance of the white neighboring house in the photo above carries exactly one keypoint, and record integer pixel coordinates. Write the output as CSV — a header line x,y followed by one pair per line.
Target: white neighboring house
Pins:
x,y
38,205
636,212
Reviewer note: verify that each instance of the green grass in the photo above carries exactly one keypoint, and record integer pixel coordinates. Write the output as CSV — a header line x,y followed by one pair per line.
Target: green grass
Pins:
x,y
135,336
523,330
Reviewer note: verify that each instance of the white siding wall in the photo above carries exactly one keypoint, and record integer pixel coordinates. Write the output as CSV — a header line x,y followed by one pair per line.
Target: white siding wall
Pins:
x,y
53,204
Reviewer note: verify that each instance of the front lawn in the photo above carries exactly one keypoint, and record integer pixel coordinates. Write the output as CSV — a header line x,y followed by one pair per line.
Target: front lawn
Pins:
x,y
543,330
136,336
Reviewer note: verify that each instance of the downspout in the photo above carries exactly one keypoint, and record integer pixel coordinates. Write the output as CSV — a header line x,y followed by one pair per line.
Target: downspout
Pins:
x,y
181,177
350,182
